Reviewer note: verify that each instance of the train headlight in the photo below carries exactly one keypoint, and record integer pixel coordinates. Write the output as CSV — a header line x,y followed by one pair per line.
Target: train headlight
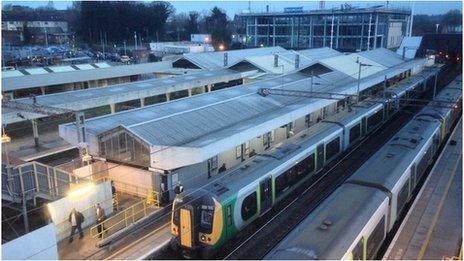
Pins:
x,y
203,238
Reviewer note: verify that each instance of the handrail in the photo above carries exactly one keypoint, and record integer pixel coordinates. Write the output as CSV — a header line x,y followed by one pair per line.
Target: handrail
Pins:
x,y
122,219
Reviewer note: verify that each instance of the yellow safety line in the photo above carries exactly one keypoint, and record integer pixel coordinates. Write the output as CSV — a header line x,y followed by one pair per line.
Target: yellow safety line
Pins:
x,y
137,241
435,218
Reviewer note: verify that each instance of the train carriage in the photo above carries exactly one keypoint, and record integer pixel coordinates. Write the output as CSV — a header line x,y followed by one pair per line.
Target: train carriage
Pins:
x,y
246,192
394,171
329,233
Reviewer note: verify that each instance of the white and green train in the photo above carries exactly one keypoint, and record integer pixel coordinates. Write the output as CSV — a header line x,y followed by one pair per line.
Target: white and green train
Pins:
x,y
203,220
353,222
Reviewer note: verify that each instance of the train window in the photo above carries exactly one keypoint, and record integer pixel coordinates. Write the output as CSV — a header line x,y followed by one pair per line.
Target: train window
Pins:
x,y
375,239
355,132
374,119
249,206
206,218
311,163
402,197
358,250
291,176
280,184
423,163
332,148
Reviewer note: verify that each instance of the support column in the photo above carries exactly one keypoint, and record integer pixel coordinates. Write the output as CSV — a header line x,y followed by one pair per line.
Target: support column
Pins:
x,y
168,96
385,87
189,92
273,31
210,87
42,89
338,34
113,107
435,86
375,30
142,102
35,132
24,201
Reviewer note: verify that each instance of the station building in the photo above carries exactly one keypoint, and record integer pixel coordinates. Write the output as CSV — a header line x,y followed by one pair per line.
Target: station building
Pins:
x,y
186,141
347,29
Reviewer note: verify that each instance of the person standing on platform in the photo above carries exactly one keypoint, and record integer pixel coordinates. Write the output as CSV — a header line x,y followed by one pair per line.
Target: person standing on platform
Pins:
x,y
76,219
100,214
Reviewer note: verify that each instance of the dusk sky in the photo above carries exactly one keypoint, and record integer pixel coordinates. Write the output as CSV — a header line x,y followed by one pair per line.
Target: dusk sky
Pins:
x,y
232,7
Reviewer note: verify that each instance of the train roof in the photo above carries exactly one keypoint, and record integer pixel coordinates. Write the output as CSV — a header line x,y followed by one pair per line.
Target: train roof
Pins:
x,y
443,100
388,164
347,210
266,162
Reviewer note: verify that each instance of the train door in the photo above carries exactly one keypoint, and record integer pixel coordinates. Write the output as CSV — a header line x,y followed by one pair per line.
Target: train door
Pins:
x,y
185,229
320,156
266,195
363,126
229,221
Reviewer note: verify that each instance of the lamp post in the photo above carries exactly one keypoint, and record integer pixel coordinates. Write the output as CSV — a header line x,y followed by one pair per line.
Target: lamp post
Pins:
x,y
359,77
135,39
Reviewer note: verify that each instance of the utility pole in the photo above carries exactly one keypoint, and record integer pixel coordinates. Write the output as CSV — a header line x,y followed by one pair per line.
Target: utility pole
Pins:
x,y
135,40
46,36
359,78
125,53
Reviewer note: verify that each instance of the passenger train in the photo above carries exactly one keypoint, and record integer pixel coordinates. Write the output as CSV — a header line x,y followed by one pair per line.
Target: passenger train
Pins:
x,y
204,219
353,222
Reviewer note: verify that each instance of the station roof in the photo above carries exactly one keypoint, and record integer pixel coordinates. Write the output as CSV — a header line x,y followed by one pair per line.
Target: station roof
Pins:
x,y
261,58
47,76
194,129
95,97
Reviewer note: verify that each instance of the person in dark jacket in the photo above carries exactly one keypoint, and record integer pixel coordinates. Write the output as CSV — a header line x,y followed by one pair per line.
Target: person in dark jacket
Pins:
x,y
76,219
222,168
100,214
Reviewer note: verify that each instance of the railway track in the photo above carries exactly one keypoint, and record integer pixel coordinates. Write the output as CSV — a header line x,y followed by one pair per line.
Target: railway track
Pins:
x,y
274,226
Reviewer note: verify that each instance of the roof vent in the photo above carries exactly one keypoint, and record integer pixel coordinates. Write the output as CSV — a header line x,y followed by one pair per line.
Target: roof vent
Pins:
x,y
244,167
297,61
323,227
390,155
414,141
327,222
226,59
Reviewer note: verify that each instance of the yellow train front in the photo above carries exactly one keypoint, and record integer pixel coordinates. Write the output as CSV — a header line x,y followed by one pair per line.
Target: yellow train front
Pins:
x,y
196,224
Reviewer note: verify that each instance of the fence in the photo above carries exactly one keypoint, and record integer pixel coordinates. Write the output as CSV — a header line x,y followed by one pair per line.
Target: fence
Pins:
x,y
34,179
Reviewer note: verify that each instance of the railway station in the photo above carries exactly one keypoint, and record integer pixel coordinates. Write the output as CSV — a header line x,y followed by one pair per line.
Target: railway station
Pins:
x,y
225,127
322,153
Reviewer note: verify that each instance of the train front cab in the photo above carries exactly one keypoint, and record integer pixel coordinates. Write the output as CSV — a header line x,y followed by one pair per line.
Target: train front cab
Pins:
x,y
196,224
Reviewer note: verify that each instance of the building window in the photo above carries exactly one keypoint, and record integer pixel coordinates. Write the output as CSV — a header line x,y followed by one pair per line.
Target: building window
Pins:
x,y
308,120
238,152
249,206
213,163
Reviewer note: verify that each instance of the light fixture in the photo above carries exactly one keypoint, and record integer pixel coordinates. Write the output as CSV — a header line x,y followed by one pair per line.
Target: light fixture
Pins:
x,y
83,190
221,47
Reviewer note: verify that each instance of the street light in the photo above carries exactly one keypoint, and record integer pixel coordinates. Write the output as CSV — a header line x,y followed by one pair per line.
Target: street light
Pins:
x,y
221,47
359,77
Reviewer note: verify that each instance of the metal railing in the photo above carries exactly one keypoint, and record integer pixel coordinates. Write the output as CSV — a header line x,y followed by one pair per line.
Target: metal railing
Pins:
x,y
122,219
37,179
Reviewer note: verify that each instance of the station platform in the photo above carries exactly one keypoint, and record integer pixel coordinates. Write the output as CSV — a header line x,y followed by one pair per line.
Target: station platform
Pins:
x,y
432,228
87,247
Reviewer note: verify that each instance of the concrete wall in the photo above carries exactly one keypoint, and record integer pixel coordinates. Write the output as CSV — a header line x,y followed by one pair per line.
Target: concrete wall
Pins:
x,y
144,179
38,244
60,209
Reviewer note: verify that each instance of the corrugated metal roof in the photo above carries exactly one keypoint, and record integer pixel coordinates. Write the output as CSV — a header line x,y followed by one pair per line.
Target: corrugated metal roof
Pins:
x,y
319,53
95,97
41,77
383,56
348,65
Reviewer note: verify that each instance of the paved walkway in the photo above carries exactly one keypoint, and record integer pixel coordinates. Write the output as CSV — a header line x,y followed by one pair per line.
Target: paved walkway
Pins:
x,y
433,226
86,248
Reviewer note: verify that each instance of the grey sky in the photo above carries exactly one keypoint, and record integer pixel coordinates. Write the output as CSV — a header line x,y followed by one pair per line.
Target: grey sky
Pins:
x,y
232,7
